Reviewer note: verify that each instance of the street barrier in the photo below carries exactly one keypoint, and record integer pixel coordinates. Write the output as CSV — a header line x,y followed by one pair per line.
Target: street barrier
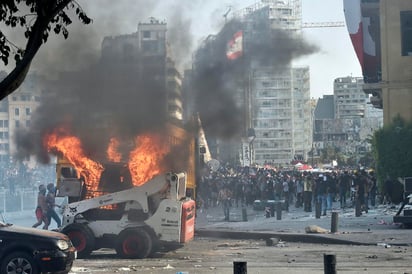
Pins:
x,y
19,200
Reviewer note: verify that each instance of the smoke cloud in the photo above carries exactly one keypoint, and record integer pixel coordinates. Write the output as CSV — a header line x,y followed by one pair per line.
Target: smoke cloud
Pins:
x,y
220,83
126,94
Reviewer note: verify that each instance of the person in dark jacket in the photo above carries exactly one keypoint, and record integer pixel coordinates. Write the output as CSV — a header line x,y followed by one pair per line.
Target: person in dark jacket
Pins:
x,y
51,204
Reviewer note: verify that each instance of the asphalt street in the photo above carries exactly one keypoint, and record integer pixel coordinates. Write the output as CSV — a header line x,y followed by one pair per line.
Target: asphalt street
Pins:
x,y
269,245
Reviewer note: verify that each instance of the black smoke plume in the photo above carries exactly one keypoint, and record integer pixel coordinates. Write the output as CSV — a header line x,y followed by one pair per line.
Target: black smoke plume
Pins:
x,y
107,100
221,85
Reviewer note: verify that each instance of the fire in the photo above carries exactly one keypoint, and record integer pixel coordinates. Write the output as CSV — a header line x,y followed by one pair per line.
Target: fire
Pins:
x,y
112,153
145,161
70,147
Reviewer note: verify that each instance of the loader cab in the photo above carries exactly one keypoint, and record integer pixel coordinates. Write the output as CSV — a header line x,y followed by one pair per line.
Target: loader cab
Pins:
x,y
68,182
115,177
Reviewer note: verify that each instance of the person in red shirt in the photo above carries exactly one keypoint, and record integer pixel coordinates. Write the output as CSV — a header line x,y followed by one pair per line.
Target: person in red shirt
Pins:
x,y
41,209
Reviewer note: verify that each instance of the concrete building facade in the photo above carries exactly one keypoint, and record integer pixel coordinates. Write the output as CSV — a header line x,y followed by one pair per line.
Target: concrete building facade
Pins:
x,y
148,49
350,100
16,114
396,34
281,113
345,120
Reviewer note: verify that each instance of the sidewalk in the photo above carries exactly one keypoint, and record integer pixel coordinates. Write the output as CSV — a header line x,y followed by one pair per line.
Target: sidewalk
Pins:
x,y
373,228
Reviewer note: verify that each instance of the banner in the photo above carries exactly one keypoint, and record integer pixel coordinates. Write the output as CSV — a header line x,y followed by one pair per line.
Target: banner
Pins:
x,y
235,46
362,21
245,154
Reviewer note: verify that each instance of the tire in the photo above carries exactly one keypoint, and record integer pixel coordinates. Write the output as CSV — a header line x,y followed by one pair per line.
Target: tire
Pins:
x,y
16,260
82,239
134,244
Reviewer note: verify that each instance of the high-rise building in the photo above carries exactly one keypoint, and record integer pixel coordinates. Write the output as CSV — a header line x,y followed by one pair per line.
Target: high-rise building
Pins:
x,y
280,109
147,50
350,100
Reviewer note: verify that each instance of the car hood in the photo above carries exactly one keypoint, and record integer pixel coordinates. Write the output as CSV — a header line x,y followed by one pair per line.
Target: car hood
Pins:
x,y
33,231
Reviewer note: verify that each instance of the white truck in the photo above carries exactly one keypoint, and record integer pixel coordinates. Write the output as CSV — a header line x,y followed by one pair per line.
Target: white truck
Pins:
x,y
136,221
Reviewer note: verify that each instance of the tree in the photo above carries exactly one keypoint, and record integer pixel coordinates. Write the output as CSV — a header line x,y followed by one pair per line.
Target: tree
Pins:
x,y
392,149
43,17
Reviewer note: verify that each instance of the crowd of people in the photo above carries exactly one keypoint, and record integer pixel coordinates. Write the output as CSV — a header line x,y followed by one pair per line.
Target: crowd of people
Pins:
x,y
302,189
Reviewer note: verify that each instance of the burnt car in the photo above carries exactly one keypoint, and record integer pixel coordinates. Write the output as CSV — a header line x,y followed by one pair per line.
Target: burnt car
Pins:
x,y
34,251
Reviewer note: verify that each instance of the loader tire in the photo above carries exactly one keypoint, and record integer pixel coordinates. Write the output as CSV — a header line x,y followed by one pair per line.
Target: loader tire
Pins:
x,y
82,239
134,243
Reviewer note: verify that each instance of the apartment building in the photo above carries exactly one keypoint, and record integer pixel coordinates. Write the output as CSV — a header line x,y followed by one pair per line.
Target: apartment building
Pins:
x,y
16,114
147,50
281,112
346,119
350,100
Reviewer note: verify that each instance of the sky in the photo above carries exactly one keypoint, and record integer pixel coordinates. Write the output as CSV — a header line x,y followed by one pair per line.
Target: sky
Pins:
x,y
189,22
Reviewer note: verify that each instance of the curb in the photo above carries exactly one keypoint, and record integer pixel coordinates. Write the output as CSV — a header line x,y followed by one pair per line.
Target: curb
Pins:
x,y
289,237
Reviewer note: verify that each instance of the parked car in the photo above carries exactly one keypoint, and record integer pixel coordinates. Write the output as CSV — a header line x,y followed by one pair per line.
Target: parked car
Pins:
x,y
30,250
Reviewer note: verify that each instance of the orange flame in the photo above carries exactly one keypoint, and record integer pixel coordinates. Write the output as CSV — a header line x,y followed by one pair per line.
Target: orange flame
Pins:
x,y
145,161
112,152
70,147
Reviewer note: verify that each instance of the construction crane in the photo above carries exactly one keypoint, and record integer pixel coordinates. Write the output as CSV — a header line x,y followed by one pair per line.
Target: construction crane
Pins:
x,y
323,24
227,13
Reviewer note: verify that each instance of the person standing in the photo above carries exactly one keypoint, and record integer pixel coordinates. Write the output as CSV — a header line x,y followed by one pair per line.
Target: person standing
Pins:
x,y
286,192
345,182
299,191
41,209
321,192
361,184
307,193
51,204
373,189
224,197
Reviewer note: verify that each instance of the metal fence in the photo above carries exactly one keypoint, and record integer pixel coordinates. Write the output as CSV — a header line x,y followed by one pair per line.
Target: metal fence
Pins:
x,y
19,200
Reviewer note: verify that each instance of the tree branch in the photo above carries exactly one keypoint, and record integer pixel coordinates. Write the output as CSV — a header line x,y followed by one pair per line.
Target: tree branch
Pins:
x,y
16,77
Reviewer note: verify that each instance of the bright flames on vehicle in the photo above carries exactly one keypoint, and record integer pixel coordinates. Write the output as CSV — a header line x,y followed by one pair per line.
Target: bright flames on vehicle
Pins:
x,y
71,148
144,160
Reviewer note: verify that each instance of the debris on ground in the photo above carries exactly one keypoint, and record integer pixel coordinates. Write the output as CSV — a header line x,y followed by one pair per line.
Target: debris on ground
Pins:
x,y
315,229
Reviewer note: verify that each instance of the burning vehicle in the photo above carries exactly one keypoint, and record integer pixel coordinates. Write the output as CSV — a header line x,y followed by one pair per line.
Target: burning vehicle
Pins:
x,y
135,206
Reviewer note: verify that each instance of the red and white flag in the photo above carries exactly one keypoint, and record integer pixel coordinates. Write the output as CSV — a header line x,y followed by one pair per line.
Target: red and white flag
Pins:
x,y
359,22
235,46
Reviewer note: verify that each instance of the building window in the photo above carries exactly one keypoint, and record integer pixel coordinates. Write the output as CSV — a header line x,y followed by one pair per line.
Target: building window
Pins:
x,y
146,34
17,123
406,32
16,111
28,111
